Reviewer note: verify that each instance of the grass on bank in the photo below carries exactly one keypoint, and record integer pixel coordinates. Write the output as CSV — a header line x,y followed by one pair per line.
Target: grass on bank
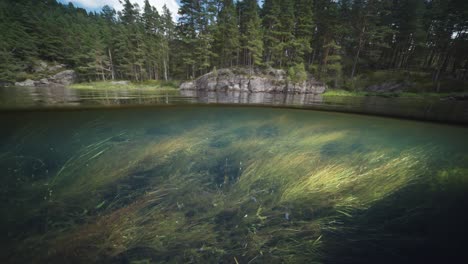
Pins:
x,y
415,85
152,84
342,93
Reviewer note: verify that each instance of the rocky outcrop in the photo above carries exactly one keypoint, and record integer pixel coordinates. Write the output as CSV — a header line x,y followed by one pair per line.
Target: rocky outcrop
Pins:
x,y
27,83
62,78
244,80
44,67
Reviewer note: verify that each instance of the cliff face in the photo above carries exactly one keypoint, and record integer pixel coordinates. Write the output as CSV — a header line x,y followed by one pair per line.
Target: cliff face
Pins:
x,y
269,81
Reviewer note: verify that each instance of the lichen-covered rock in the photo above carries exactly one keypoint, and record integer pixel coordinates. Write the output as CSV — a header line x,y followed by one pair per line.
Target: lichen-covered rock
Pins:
x,y
64,77
27,83
255,81
188,86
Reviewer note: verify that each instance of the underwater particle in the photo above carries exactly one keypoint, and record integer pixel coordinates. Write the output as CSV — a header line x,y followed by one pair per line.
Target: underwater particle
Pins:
x,y
245,216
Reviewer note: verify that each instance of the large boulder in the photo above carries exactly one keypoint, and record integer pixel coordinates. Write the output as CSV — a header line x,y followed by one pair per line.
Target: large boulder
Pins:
x,y
254,81
64,77
27,83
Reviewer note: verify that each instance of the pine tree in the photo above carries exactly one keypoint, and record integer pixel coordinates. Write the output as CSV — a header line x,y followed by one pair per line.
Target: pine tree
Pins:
x,y
167,27
252,37
129,13
271,25
227,34
304,31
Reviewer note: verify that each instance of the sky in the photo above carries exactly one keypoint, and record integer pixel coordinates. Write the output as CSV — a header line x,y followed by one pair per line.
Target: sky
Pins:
x,y
96,5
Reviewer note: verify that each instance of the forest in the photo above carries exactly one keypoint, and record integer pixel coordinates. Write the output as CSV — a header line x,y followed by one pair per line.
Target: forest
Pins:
x,y
337,41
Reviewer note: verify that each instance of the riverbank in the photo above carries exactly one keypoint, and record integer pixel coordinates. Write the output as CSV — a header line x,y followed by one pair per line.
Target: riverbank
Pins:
x,y
174,85
153,84
346,93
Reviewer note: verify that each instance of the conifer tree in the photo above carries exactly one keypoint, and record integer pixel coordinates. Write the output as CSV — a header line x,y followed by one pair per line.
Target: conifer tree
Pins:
x,y
227,34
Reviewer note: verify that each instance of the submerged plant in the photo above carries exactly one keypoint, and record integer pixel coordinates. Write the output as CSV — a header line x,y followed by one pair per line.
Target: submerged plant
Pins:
x,y
273,189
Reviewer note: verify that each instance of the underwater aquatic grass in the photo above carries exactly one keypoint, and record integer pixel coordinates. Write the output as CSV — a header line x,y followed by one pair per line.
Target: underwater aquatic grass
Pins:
x,y
273,189
289,174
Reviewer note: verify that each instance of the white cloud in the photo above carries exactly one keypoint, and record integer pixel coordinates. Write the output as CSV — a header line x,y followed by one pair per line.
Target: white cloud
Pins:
x,y
96,4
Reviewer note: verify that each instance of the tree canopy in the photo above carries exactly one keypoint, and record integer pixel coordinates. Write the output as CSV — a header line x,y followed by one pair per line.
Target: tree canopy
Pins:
x,y
334,40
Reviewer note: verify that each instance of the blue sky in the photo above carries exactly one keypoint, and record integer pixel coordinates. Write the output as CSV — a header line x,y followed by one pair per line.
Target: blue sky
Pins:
x,y
96,5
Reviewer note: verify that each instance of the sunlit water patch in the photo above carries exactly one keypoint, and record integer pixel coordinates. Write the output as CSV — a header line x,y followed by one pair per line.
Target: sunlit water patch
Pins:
x,y
229,185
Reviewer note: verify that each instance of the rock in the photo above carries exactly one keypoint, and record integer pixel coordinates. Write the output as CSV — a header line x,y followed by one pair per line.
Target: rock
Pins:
x,y
43,67
42,83
56,67
120,82
40,67
60,79
27,83
6,84
64,77
188,86
254,81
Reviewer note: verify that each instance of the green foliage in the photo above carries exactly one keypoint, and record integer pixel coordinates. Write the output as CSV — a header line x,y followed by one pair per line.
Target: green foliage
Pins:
x,y
335,40
226,35
297,73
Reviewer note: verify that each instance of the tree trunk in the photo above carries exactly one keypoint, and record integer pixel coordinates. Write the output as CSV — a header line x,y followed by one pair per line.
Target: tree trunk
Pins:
x,y
356,58
111,65
165,69
324,63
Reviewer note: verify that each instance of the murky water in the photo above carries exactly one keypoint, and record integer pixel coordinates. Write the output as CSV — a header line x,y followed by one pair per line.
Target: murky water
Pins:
x,y
186,184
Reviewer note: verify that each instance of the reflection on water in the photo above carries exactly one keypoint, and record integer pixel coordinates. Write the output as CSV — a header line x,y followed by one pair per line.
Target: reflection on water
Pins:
x,y
236,97
32,97
200,184
431,109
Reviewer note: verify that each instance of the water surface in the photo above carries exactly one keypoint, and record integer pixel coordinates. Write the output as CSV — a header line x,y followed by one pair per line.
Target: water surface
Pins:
x,y
419,108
